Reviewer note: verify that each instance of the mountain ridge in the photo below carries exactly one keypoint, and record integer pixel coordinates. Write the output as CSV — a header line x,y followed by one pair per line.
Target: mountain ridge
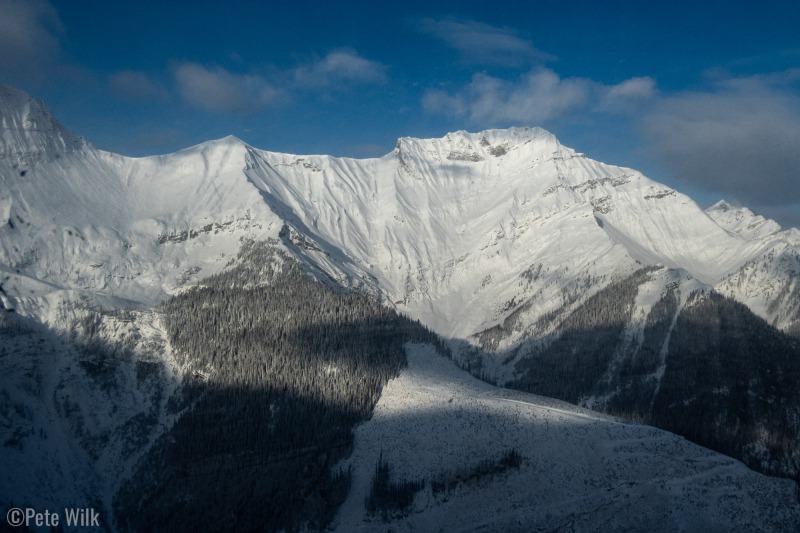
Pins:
x,y
432,248
426,219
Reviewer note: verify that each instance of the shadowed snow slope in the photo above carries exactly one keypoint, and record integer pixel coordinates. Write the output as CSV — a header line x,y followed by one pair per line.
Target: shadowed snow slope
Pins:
x,y
579,470
27,129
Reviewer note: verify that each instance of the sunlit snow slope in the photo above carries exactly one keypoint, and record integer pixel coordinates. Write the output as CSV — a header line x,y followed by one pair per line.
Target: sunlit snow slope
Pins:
x,y
449,225
459,231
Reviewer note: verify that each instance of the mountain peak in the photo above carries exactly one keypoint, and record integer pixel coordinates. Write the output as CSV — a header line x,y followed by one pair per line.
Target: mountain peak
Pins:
x,y
229,139
513,134
742,221
226,142
29,131
484,145
722,206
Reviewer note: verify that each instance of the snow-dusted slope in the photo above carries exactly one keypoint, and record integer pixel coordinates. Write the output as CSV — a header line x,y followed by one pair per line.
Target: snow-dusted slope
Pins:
x,y
579,471
74,417
132,228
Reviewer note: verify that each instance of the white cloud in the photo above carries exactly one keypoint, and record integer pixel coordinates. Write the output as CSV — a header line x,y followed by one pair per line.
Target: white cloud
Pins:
x,y
136,85
340,67
741,139
484,44
29,38
440,102
537,97
216,89
627,95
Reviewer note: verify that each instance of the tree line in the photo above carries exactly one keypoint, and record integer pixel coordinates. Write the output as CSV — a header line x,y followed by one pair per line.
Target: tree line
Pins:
x,y
280,368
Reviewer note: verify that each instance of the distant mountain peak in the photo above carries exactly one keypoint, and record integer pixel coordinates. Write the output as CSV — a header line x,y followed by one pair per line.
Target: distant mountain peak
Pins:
x,y
721,206
229,140
486,145
28,131
742,221
489,136
224,143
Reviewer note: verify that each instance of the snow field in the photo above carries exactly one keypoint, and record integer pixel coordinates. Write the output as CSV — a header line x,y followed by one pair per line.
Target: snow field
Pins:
x,y
580,470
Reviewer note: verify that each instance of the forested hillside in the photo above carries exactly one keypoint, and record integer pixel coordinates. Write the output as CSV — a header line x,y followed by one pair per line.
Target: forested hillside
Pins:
x,y
709,370
282,368
732,385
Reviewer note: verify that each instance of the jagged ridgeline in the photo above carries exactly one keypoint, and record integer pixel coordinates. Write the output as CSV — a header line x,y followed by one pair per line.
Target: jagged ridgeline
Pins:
x,y
283,367
709,370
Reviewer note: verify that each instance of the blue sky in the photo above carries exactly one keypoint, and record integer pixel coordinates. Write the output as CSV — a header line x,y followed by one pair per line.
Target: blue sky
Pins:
x,y
704,96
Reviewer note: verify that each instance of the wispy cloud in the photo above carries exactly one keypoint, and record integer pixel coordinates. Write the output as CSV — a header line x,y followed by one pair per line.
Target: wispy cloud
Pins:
x,y
627,95
481,43
29,38
339,68
216,89
741,138
536,98
135,85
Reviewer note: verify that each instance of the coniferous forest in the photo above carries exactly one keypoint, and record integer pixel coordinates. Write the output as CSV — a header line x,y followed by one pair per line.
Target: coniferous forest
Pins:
x,y
722,377
280,369
732,385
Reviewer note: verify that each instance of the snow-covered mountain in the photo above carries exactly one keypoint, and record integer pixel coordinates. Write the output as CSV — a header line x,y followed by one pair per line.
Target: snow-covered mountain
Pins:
x,y
458,231
505,242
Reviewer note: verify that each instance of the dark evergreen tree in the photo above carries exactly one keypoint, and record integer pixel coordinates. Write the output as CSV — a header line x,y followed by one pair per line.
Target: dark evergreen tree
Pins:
x,y
390,499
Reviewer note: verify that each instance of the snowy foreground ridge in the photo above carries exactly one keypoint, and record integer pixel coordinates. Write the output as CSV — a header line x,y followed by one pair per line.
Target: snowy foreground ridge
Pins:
x,y
529,259
580,471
